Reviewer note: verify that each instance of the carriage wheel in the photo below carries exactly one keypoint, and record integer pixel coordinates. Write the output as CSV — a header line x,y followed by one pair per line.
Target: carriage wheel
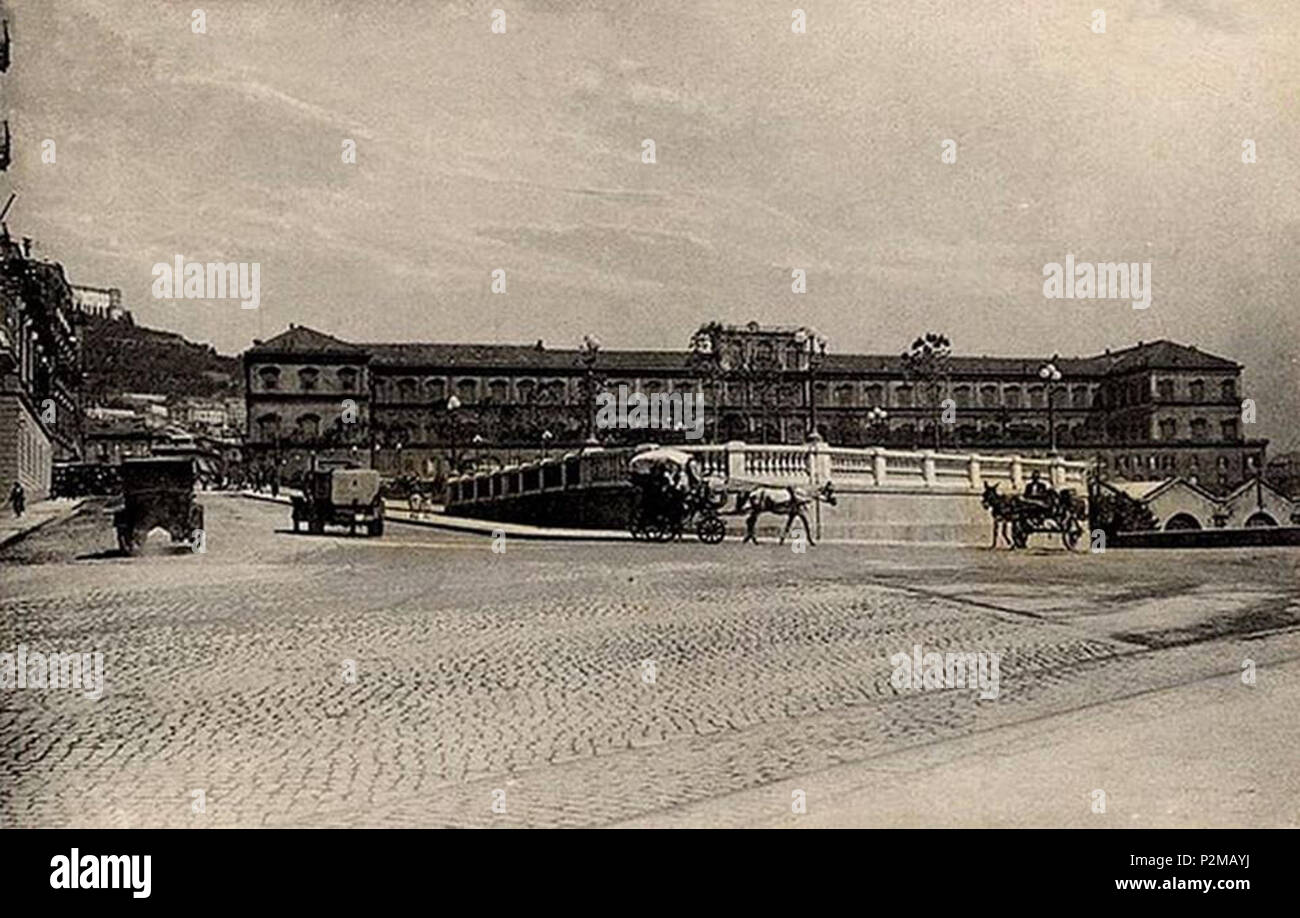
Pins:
x,y
1070,534
711,530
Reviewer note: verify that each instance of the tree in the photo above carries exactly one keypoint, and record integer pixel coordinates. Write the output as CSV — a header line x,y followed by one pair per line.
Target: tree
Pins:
x,y
590,384
705,363
926,363
1114,511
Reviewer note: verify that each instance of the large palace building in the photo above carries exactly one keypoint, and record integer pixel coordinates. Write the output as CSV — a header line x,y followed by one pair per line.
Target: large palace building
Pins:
x,y
1152,411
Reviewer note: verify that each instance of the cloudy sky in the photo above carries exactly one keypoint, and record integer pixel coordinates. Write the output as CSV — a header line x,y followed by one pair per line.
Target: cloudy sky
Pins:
x,y
522,151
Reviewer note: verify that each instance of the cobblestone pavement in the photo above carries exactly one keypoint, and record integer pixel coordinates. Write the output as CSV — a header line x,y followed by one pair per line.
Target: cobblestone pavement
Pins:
x,y
523,672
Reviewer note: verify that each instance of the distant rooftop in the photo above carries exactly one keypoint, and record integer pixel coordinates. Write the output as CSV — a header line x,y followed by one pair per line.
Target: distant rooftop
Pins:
x,y
299,339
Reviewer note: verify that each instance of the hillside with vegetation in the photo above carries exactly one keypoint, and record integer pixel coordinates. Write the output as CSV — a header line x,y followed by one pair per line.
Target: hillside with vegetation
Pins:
x,y
120,356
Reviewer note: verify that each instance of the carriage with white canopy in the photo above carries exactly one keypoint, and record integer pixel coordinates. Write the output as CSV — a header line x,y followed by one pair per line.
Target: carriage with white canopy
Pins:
x,y
673,495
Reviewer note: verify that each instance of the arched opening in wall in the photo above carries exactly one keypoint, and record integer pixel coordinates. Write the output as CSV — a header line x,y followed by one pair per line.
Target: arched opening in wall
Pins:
x,y
268,427
1182,521
1260,518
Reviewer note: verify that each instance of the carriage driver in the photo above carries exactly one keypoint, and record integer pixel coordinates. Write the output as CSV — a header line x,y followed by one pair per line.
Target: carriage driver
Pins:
x,y
1037,490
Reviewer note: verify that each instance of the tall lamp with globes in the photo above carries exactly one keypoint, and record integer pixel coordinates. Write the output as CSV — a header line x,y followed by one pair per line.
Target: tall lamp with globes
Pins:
x,y
1049,373
453,430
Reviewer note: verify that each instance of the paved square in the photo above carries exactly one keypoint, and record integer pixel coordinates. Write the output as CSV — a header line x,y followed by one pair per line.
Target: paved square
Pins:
x,y
528,672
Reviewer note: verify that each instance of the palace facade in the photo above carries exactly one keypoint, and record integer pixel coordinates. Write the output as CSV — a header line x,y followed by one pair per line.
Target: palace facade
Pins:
x,y
1151,411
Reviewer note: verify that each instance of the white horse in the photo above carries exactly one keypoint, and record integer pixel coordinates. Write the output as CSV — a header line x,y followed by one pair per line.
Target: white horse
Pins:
x,y
791,501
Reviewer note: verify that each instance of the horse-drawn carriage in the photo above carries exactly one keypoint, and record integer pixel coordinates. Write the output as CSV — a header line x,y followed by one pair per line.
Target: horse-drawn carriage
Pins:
x,y
1039,509
671,496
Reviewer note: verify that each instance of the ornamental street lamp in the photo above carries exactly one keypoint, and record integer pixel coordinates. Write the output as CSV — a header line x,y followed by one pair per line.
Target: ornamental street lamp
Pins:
x,y
814,346
876,417
1051,374
478,442
453,424
547,437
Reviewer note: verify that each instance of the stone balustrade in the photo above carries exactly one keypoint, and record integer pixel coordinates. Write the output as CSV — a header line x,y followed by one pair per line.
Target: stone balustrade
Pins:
x,y
811,464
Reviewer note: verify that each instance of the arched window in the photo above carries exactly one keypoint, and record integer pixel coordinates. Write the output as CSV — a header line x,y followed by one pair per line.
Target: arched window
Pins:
x,y
467,391
347,379
498,391
270,377
554,392
406,389
1182,521
308,377
875,395
309,426
989,396
268,427
435,389
1011,397
844,394
1197,390
526,389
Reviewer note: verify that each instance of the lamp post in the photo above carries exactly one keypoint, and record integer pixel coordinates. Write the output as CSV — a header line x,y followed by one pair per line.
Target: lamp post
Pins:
x,y
814,346
478,442
547,437
453,423
1051,375
876,417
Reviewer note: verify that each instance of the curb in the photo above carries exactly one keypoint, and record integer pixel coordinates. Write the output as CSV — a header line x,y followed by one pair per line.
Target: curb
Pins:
x,y
21,534
484,529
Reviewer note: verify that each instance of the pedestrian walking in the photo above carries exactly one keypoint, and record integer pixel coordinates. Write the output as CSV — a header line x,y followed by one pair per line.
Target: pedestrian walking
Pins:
x,y
18,497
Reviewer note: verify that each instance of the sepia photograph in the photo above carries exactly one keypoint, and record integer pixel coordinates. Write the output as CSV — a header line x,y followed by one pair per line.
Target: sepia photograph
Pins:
x,y
683,414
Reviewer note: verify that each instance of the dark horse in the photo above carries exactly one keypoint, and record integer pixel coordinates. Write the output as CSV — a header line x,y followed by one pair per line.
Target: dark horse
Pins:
x,y
1002,509
1015,518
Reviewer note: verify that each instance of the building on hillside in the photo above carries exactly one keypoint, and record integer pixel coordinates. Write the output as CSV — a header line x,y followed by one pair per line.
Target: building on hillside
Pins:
x,y
99,303
1148,412
40,370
